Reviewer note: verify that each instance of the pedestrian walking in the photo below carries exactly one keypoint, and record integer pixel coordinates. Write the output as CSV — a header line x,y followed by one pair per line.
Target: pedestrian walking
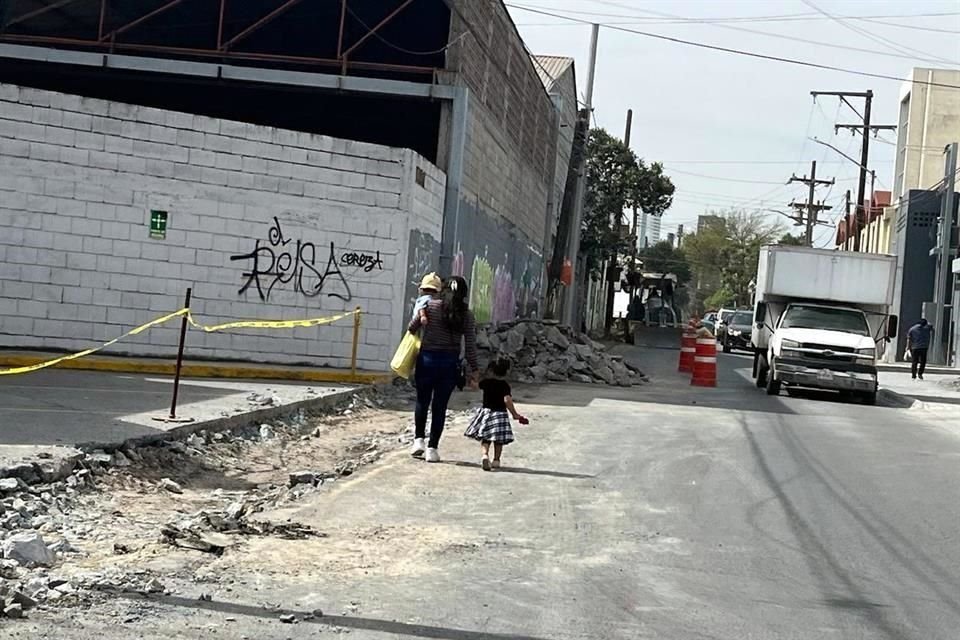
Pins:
x,y
491,424
918,342
449,329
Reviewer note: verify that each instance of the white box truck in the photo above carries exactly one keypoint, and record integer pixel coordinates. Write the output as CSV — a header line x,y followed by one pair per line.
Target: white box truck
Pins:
x,y
821,319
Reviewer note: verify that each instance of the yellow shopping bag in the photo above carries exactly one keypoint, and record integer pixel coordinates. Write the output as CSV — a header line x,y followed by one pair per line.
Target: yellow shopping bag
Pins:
x,y
406,356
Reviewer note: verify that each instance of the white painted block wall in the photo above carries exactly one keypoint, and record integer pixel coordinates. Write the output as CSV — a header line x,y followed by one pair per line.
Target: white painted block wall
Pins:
x,y
79,177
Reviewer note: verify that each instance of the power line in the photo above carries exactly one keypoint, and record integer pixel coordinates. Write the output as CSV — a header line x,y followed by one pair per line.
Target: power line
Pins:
x,y
721,178
741,52
875,38
790,17
684,20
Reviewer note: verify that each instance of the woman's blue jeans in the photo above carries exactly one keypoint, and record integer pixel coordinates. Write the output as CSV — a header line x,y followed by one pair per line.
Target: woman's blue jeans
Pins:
x,y
436,378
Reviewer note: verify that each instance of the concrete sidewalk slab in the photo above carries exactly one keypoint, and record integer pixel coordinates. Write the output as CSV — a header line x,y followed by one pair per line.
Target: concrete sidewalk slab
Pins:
x,y
48,415
934,392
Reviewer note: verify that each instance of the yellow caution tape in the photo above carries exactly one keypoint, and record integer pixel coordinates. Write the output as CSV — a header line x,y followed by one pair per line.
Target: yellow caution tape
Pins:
x,y
242,324
271,324
86,352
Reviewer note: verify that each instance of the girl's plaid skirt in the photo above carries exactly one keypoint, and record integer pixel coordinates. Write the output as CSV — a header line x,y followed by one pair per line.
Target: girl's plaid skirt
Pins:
x,y
490,426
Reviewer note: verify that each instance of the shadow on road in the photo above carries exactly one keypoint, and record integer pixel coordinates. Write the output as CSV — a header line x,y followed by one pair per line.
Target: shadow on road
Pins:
x,y
349,622
525,471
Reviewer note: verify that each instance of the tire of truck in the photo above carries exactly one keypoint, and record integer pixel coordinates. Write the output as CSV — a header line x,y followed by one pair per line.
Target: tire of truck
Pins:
x,y
761,375
773,385
869,397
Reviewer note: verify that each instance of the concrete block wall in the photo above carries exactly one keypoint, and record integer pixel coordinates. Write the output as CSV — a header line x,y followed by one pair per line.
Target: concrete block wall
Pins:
x,y
263,224
509,164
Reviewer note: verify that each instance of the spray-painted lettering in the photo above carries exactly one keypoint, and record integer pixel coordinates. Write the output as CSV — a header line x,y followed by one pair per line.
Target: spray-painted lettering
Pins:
x,y
278,263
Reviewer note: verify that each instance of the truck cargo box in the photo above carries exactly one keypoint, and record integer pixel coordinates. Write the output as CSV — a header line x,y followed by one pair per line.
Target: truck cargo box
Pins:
x,y
823,274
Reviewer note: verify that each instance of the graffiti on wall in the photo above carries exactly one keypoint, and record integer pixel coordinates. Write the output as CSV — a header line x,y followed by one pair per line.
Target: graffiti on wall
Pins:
x,y
278,262
424,255
481,290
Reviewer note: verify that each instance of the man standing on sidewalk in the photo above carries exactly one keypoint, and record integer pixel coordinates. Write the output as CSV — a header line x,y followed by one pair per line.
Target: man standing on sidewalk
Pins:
x,y
918,341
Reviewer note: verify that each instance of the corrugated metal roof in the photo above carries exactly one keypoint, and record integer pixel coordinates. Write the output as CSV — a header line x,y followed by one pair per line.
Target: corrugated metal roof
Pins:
x,y
549,68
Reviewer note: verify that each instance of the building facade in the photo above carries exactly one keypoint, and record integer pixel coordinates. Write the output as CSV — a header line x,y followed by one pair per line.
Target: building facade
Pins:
x,y
447,159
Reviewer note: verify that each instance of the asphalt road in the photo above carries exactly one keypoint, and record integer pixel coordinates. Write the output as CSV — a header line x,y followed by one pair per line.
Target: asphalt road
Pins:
x,y
664,512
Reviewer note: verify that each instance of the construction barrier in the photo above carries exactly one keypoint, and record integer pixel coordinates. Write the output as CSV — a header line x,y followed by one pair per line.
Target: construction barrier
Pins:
x,y
705,363
185,312
688,347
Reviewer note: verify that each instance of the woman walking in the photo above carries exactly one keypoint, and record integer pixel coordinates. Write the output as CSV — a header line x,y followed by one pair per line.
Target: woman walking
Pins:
x,y
450,326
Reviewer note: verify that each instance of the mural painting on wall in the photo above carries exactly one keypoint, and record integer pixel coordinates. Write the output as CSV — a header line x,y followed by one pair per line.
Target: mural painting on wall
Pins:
x,y
495,296
277,262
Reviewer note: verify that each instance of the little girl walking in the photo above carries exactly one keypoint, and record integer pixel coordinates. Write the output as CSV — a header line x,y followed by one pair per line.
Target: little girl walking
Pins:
x,y
492,422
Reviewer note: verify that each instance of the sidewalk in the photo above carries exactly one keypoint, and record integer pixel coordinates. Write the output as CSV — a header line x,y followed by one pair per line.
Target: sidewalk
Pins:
x,y
935,391
46,416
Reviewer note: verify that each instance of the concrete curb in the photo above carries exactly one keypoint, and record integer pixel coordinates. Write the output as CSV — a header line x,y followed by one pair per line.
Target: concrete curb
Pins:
x,y
46,471
157,366
893,398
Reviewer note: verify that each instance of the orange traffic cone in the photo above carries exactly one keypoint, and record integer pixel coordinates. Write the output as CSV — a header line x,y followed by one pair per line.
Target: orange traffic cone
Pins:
x,y
688,347
705,363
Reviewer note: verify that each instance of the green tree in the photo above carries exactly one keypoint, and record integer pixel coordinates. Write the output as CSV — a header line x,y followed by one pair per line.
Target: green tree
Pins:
x,y
723,257
616,181
663,257
792,240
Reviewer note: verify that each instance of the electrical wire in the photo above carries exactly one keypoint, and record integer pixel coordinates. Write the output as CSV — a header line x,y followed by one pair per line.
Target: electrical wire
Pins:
x,y
684,20
790,17
376,35
863,32
743,52
721,178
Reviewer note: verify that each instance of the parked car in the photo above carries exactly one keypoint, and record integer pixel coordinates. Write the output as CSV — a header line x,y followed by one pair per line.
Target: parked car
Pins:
x,y
735,332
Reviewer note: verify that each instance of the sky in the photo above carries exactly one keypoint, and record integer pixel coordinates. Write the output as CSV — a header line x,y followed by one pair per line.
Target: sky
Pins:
x,y
731,130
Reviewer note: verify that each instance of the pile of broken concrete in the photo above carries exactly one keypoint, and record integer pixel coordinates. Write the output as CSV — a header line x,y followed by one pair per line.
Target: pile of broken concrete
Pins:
x,y
542,351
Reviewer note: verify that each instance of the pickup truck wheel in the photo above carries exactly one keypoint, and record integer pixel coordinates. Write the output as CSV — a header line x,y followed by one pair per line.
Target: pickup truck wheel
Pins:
x,y
869,397
773,385
762,370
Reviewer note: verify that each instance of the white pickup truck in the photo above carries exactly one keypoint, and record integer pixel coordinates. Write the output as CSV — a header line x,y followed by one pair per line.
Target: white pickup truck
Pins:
x,y
821,319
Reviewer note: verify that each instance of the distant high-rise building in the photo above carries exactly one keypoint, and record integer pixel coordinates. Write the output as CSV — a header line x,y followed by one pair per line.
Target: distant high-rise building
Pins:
x,y
707,221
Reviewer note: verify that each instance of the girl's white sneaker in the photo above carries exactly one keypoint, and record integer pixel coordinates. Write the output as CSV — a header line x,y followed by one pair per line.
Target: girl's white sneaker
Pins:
x,y
433,455
496,464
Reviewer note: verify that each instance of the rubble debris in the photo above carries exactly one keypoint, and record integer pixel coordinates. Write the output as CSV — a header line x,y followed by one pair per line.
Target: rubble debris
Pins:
x,y
541,351
29,549
170,485
153,586
266,432
302,477
13,610
288,618
8,485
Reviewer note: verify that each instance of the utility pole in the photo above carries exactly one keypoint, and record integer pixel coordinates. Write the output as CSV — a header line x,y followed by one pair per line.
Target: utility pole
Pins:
x,y
812,208
571,313
616,218
846,224
944,255
865,130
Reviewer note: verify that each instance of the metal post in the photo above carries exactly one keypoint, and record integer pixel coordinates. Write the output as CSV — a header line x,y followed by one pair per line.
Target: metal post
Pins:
x,y
223,7
183,337
862,179
570,312
943,257
808,238
616,217
356,341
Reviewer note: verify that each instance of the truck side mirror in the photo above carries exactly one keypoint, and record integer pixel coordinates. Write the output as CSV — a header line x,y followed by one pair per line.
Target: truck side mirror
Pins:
x,y
892,327
760,314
